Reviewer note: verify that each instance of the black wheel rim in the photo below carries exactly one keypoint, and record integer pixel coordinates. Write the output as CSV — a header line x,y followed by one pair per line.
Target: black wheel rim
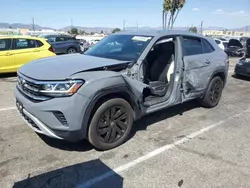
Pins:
x,y
113,124
71,51
215,92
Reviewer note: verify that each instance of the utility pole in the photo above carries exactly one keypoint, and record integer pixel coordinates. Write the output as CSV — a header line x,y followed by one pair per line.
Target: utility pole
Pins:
x,y
71,23
33,25
136,25
201,27
123,25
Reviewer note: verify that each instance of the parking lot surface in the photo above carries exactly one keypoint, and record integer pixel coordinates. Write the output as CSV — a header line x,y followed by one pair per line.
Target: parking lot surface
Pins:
x,y
183,146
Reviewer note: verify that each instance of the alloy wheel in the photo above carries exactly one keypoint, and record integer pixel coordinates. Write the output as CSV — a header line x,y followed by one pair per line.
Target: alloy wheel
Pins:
x,y
113,124
215,92
71,51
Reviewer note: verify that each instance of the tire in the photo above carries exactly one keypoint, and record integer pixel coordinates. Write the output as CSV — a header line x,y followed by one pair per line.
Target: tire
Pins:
x,y
71,51
213,93
107,132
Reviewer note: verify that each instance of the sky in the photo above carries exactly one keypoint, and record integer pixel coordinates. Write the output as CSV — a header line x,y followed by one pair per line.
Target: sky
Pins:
x,y
111,13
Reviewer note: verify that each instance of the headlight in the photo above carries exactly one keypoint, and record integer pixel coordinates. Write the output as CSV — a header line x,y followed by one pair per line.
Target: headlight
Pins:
x,y
247,60
58,89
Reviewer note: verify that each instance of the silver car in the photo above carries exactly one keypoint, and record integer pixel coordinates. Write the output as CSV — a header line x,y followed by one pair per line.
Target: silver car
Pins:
x,y
99,94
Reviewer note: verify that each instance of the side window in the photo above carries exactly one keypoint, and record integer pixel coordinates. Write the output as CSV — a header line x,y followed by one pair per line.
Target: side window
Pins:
x,y
217,41
71,38
60,39
51,39
192,46
5,44
207,47
39,43
25,43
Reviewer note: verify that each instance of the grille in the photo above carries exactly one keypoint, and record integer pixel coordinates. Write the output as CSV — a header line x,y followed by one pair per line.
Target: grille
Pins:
x,y
30,89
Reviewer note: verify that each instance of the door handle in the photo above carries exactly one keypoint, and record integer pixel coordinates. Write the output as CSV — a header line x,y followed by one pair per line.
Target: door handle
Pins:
x,y
8,54
207,62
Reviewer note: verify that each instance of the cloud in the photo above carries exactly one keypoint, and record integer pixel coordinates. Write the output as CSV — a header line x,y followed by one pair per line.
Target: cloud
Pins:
x,y
242,12
195,9
219,11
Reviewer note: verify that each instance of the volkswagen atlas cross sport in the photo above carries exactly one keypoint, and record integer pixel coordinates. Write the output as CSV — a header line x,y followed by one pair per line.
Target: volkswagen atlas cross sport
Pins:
x,y
99,94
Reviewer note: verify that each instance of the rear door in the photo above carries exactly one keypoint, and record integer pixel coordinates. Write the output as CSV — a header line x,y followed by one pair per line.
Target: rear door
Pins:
x,y
61,44
25,50
196,66
6,56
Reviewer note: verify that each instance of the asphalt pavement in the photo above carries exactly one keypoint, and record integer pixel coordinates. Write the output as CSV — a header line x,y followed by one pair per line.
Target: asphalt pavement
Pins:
x,y
183,146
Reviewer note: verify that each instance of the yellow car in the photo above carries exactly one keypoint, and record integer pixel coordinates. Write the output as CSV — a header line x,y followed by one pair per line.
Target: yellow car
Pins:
x,y
16,51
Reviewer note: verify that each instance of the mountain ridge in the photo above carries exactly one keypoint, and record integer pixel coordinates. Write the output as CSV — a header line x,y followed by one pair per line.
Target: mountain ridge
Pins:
x,y
108,29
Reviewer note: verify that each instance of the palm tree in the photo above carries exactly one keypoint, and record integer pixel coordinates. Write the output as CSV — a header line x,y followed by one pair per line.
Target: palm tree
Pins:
x,y
173,7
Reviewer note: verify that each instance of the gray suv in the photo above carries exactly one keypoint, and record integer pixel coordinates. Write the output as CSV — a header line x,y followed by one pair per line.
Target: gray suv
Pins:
x,y
64,44
98,95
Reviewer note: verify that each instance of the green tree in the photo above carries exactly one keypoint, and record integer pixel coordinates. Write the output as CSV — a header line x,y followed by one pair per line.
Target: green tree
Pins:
x,y
74,31
193,29
81,32
116,30
171,7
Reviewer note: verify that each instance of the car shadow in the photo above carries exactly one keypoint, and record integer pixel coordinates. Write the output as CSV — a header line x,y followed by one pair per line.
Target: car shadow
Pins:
x,y
80,146
170,112
77,176
239,77
8,77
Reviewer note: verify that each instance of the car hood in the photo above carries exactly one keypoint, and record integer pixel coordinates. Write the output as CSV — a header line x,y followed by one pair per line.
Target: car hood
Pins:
x,y
234,43
64,66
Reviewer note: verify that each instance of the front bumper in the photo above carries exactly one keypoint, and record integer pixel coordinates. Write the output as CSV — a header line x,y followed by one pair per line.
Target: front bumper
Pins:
x,y
43,117
243,70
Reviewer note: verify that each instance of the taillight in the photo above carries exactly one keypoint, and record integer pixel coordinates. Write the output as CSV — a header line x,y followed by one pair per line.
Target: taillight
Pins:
x,y
51,49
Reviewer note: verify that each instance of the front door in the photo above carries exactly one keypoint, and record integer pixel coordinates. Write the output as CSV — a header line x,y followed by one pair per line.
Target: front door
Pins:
x,y
25,51
197,67
6,56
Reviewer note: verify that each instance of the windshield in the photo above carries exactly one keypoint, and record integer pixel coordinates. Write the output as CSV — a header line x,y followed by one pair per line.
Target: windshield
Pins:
x,y
121,47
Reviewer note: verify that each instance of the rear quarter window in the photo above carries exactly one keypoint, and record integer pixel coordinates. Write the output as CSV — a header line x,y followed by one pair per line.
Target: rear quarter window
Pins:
x,y
207,47
192,46
39,43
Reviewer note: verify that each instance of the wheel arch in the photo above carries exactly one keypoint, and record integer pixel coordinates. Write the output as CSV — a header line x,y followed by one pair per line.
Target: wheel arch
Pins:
x,y
104,95
221,73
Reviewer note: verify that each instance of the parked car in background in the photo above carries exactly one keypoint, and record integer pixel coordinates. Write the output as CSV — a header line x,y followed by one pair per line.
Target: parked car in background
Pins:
x,y
127,75
242,68
16,51
64,44
234,48
221,43
94,41
83,44
86,47
243,41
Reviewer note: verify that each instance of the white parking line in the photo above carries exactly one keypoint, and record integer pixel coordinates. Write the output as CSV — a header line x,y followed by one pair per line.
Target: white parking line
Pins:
x,y
7,109
152,154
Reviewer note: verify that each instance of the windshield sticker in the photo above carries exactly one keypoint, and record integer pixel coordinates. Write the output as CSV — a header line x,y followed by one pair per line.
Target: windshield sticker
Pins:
x,y
141,38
